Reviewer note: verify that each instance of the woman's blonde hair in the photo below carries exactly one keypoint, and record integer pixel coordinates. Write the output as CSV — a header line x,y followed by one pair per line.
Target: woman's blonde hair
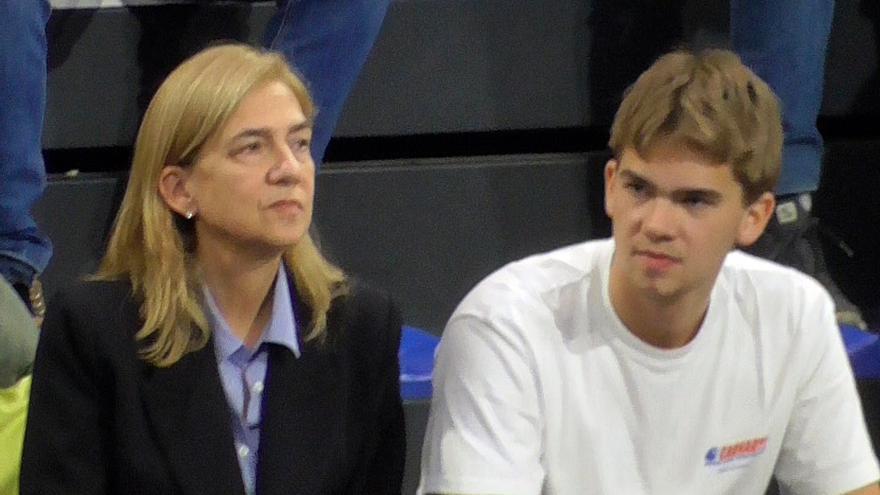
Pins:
x,y
152,247
709,103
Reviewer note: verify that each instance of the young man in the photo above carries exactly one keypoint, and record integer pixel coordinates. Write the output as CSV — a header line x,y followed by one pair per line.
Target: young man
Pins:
x,y
657,361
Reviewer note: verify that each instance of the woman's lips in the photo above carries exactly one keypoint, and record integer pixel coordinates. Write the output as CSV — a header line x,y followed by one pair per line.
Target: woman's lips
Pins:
x,y
286,206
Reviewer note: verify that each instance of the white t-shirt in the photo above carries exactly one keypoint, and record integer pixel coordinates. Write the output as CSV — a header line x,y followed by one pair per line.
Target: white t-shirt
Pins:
x,y
539,388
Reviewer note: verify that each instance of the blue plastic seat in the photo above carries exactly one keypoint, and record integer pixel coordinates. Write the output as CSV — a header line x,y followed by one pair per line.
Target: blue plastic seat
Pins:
x,y
417,350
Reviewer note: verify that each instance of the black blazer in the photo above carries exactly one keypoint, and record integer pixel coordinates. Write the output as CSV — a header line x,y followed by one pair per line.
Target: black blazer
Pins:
x,y
103,421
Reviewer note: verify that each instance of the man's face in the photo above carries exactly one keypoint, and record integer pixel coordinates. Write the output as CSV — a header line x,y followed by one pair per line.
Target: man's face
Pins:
x,y
675,217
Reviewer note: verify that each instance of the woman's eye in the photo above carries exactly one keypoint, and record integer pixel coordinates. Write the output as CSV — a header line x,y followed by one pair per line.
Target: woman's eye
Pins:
x,y
248,149
300,144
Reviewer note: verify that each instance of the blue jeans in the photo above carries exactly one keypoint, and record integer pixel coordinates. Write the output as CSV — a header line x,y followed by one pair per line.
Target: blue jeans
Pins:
x,y
24,251
327,41
785,43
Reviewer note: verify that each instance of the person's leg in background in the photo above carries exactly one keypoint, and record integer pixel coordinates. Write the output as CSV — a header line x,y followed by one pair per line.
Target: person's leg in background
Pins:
x,y
785,43
24,250
18,344
327,41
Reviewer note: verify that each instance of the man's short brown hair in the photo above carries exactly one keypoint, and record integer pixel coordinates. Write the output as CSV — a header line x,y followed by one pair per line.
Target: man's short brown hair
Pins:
x,y
708,103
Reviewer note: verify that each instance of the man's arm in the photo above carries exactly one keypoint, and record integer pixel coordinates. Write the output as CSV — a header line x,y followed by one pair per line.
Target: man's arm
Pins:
x,y
484,431
872,489
826,448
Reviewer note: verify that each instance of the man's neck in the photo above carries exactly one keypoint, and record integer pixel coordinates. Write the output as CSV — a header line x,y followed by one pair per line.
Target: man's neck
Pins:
x,y
666,323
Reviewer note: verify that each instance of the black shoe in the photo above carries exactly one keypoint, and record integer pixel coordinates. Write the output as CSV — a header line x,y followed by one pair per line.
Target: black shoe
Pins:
x,y
792,239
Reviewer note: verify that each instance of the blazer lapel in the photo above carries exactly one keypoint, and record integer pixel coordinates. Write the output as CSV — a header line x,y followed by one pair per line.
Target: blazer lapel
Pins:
x,y
188,411
299,449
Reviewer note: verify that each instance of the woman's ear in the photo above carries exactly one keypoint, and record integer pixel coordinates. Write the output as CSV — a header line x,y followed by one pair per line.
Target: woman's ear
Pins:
x,y
755,219
175,191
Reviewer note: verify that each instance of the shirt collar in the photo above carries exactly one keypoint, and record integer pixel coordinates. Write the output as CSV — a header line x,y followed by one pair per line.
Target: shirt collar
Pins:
x,y
281,330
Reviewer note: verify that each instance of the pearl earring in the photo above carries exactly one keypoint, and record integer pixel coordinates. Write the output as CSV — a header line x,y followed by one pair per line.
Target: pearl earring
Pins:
x,y
189,215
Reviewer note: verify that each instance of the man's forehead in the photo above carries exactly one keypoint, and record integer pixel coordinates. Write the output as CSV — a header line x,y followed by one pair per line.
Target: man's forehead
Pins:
x,y
678,171
672,152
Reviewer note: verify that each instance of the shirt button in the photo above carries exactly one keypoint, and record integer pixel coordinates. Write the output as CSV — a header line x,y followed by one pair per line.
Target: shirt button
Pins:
x,y
257,388
243,451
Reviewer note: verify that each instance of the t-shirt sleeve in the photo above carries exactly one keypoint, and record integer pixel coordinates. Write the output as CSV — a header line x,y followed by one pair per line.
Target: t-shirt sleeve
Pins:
x,y
826,448
484,431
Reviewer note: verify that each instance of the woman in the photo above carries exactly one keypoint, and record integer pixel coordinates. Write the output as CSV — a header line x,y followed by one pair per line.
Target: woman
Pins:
x,y
216,351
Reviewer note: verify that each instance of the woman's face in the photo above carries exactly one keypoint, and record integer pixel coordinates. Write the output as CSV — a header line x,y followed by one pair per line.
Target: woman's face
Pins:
x,y
253,184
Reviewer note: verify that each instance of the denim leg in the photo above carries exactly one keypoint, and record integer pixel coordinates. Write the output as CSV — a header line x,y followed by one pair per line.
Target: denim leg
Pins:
x,y
327,41
24,251
785,43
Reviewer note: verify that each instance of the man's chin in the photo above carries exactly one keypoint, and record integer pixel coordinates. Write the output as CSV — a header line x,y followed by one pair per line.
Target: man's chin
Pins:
x,y
659,289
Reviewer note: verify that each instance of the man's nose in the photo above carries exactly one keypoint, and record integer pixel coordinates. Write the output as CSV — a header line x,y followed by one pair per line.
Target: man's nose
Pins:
x,y
660,218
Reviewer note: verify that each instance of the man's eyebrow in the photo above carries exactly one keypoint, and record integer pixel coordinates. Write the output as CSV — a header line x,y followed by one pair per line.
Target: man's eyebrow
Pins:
x,y
710,195
630,175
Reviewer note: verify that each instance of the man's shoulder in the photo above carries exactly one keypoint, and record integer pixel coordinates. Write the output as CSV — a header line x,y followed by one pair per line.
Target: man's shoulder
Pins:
x,y
525,287
742,270
763,287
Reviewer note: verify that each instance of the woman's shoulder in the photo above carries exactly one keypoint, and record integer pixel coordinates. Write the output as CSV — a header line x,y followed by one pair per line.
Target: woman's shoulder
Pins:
x,y
361,300
85,294
365,297
93,303
366,312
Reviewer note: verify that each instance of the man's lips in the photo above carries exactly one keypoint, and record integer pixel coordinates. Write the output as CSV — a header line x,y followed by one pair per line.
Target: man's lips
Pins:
x,y
657,261
656,254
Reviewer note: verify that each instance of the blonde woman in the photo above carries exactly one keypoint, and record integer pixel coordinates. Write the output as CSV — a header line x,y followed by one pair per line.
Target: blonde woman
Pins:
x,y
216,350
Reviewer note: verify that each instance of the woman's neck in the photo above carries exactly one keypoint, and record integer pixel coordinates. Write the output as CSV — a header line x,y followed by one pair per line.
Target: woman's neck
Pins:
x,y
242,289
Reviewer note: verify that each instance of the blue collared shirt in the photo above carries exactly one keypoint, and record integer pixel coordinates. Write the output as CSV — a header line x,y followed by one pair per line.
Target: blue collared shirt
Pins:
x,y
243,371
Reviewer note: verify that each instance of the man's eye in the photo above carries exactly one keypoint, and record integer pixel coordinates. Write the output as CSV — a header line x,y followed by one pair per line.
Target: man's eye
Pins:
x,y
695,202
636,188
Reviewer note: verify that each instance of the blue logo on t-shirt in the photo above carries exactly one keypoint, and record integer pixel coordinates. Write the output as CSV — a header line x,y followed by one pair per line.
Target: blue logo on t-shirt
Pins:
x,y
712,456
